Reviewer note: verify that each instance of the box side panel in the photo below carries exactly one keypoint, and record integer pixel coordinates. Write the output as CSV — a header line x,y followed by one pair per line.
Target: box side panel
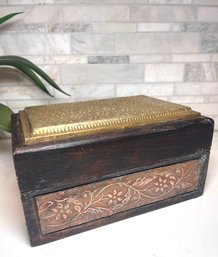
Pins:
x,y
82,204
61,167
190,178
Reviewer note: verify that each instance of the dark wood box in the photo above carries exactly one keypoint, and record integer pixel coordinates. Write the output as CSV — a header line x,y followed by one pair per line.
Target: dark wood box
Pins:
x,y
78,183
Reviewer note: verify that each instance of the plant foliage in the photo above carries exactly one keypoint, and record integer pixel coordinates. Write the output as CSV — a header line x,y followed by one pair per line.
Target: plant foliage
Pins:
x,y
32,71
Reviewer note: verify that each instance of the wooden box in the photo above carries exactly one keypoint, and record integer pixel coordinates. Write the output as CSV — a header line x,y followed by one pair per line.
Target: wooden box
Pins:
x,y
86,164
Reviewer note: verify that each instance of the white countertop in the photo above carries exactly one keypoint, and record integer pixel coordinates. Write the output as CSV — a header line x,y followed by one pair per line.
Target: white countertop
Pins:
x,y
188,229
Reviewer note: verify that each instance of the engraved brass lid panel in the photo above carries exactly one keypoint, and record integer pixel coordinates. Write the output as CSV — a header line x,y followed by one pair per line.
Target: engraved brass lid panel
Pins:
x,y
50,122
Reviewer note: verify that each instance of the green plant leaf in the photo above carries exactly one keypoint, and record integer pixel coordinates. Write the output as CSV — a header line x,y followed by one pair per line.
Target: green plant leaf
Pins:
x,y
22,63
31,74
9,16
41,73
5,118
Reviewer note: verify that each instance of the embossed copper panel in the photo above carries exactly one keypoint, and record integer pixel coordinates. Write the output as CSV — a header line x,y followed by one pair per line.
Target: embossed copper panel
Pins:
x,y
82,204
49,122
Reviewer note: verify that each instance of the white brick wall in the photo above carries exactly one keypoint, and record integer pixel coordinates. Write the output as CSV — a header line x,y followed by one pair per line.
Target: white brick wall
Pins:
x,y
166,72
107,48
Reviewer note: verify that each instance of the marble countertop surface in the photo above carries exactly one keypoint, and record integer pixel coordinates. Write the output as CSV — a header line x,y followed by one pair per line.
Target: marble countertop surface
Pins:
x,y
188,229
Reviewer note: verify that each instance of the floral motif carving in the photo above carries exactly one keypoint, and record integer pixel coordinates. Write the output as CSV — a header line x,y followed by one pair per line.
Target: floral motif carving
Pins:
x,y
97,200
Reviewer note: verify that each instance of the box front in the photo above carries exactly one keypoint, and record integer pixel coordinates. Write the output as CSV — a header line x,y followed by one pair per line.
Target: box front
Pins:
x,y
66,212
78,205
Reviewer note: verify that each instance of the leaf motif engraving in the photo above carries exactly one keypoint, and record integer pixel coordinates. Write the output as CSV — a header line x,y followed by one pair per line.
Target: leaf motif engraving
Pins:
x,y
78,208
45,205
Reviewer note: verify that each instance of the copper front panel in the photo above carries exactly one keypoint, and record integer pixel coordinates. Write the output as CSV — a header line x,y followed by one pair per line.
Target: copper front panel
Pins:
x,y
82,204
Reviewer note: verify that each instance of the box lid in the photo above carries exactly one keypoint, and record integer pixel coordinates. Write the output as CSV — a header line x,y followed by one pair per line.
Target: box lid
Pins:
x,y
58,121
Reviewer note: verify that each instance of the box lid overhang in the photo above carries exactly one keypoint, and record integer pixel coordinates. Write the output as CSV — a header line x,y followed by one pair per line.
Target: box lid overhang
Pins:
x,y
66,120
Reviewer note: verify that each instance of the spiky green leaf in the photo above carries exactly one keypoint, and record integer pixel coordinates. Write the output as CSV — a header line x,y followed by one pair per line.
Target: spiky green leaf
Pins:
x,y
31,74
28,72
9,16
23,61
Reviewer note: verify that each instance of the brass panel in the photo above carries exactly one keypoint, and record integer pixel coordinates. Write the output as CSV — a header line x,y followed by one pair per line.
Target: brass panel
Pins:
x,y
50,122
86,203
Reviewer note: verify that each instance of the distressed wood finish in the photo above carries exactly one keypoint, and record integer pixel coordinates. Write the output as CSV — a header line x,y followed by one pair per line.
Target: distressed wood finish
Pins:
x,y
45,168
83,204
66,163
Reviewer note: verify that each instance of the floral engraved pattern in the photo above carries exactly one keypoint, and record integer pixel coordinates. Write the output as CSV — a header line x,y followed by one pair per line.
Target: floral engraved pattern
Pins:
x,y
101,199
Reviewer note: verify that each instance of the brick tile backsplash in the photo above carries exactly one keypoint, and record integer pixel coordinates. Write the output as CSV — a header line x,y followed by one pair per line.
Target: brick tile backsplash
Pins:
x,y
97,49
162,13
207,14
96,13
150,42
34,44
164,72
